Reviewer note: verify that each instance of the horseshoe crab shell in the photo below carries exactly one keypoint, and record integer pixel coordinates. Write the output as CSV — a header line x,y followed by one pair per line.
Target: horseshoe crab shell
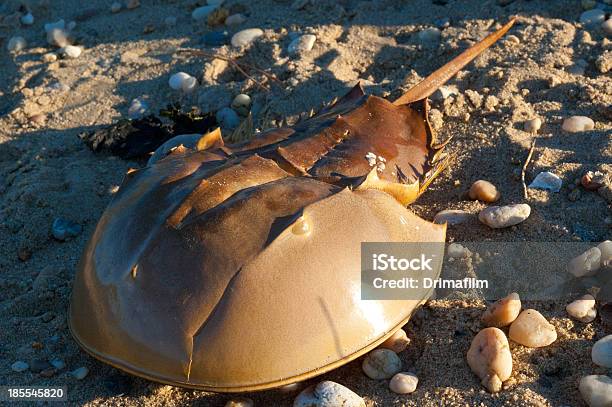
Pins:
x,y
237,268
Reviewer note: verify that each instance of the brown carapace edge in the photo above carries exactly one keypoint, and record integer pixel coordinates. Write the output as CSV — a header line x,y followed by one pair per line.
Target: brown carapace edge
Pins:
x,y
237,267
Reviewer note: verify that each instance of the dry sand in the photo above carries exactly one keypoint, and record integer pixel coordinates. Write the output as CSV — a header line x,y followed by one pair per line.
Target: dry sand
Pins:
x,y
47,172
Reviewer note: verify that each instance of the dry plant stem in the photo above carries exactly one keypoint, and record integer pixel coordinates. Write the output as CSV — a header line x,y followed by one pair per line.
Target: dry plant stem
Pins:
x,y
235,64
524,169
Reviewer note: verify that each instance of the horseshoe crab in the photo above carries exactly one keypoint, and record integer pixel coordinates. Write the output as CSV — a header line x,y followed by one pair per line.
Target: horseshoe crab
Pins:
x,y
236,267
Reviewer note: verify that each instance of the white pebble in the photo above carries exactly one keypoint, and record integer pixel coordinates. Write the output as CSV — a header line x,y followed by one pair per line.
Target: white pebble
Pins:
x,y
404,383
504,216
328,394
182,81
548,181
58,37
202,13
245,37
576,124
585,264
533,125
116,7
80,373
531,329
242,104
605,248
71,51
397,342
456,251
381,364
591,17
137,108
602,352
27,19
303,43
227,118
20,366
452,216
606,26
429,36
235,19
16,44
596,390
583,309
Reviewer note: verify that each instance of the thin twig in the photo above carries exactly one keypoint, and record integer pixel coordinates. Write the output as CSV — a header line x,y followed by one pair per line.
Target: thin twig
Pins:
x,y
524,169
240,66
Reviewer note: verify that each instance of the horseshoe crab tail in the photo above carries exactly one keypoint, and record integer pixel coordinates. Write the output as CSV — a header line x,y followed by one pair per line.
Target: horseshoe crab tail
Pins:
x,y
430,84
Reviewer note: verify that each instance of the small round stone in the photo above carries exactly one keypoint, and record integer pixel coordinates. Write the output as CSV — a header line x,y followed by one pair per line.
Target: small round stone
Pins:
x,y
592,181
457,251
592,17
62,229
606,26
235,19
429,36
381,364
490,358
138,108
585,264
227,118
583,309
27,19
20,366
328,394
170,21
577,124
80,373
242,104
71,51
504,216
246,37
452,216
397,342
182,81
303,43
58,364
531,329
404,383
240,402
16,44
548,181
484,191
502,312
596,390
533,125
132,4
115,7
602,352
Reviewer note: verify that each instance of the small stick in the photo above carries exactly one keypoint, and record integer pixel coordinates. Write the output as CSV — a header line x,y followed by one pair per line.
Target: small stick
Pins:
x,y
524,169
